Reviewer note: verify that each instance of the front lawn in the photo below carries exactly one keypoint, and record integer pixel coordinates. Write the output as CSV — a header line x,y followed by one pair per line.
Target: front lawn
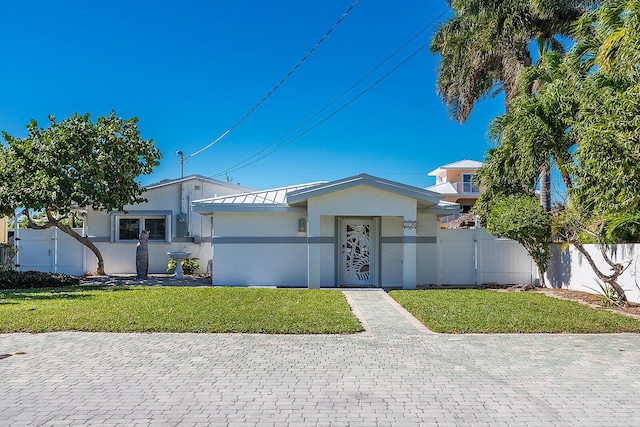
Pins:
x,y
176,309
487,311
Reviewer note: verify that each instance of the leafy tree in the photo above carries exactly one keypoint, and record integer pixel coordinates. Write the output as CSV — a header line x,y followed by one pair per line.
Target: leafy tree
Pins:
x,y
606,195
623,228
584,112
73,164
524,220
535,129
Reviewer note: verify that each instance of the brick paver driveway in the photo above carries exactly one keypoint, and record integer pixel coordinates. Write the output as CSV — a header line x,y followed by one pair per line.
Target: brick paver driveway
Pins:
x,y
393,374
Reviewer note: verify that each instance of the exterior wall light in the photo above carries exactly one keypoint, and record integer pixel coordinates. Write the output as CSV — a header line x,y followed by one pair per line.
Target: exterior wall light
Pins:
x,y
302,225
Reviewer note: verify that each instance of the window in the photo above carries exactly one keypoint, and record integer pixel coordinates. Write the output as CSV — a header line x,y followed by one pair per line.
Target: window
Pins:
x,y
467,183
156,227
127,228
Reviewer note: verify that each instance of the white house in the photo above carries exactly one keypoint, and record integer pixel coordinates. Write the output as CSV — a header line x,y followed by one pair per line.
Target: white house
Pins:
x,y
168,217
357,231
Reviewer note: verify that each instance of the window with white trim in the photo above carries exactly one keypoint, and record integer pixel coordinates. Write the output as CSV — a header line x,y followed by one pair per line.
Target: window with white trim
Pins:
x,y
127,228
468,186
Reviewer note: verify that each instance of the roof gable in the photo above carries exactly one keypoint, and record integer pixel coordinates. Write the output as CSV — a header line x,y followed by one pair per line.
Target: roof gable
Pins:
x,y
302,195
197,177
459,165
294,198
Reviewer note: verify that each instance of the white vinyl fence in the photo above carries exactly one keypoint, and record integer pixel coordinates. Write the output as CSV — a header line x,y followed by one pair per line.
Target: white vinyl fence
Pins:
x,y
465,258
49,250
474,257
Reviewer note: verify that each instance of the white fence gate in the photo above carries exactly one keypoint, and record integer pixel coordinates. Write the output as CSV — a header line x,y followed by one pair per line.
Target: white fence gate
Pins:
x,y
474,257
49,250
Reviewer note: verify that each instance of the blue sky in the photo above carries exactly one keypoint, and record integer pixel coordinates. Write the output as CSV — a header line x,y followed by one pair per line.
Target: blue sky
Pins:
x,y
190,71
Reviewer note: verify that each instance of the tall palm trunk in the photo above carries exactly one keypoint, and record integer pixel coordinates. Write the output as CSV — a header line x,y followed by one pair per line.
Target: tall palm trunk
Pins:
x,y
545,187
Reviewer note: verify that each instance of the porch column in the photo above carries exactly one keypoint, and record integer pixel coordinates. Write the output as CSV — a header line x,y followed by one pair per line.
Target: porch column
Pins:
x,y
409,253
313,248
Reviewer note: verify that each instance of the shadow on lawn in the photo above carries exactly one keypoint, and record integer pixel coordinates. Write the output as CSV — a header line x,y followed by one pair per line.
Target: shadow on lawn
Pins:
x,y
69,293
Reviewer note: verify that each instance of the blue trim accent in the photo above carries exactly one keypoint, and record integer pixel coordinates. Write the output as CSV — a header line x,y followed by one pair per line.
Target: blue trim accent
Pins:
x,y
210,209
409,239
320,239
272,240
258,240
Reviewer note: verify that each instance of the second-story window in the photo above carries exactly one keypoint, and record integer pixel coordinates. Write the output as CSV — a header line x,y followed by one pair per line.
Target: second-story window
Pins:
x,y
467,183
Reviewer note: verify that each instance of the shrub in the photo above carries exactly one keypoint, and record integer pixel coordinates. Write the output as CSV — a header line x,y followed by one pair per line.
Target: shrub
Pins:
x,y
189,265
35,279
7,256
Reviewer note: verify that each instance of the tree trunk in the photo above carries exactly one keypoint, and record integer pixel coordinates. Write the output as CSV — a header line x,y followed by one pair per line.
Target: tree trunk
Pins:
x,y
543,283
612,279
81,239
545,188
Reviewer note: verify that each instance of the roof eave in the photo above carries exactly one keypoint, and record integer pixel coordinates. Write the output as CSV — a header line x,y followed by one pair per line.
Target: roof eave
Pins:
x,y
211,208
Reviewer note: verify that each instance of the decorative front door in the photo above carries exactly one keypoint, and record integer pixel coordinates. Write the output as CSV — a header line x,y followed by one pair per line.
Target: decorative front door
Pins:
x,y
357,252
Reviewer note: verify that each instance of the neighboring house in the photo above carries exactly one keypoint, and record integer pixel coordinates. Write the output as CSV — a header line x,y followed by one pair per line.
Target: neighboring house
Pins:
x,y
167,216
357,231
4,231
454,183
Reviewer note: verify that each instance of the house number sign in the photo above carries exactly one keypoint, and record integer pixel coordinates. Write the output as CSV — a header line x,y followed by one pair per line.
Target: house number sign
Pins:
x,y
410,224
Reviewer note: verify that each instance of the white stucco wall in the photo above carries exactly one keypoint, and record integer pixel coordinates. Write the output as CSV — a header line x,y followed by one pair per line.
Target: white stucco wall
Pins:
x,y
569,268
427,266
120,258
362,201
265,248
327,251
175,198
260,249
391,253
365,201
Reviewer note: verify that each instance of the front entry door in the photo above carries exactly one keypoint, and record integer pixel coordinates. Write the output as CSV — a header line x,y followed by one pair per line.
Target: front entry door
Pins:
x,y
357,252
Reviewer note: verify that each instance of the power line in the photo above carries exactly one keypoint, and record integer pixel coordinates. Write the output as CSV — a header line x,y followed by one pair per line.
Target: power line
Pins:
x,y
334,100
293,70
247,162
333,113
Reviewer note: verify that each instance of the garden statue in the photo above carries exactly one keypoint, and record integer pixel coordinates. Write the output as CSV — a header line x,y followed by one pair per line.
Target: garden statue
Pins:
x,y
142,255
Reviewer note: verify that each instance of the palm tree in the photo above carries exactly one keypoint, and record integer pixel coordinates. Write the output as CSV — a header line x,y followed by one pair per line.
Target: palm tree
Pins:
x,y
485,46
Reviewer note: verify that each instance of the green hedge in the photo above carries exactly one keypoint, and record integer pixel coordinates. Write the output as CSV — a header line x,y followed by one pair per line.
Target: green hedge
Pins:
x,y
35,279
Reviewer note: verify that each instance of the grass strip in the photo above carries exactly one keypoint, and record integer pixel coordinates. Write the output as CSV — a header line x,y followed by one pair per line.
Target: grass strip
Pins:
x,y
486,311
176,309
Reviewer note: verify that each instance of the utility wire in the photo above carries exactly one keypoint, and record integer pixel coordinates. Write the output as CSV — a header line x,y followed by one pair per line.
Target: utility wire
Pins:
x,y
247,162
293,70
333,113
334,100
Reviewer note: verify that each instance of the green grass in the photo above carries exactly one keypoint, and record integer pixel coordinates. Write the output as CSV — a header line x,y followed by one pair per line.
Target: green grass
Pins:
x,y
176,309
486,311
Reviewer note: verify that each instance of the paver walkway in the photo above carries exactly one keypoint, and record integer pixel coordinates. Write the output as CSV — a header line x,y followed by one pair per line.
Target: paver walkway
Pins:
x,y
396,374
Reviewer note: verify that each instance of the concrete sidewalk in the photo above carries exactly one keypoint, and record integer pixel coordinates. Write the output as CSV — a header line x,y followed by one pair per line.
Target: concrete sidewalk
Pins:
x,y
396,373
